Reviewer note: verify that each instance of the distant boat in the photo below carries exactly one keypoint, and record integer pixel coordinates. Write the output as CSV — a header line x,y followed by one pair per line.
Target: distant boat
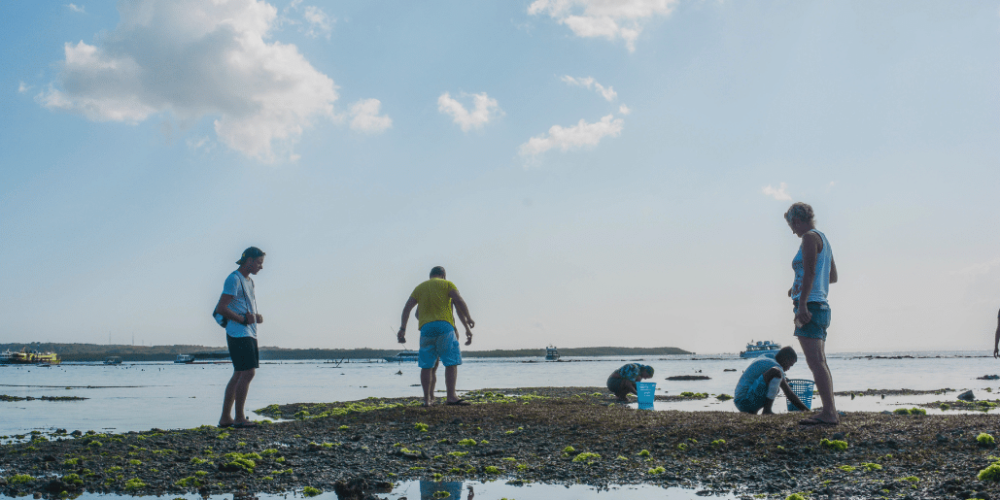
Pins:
x,y
765,348
24,357
551,353
184,359
403,356
113,360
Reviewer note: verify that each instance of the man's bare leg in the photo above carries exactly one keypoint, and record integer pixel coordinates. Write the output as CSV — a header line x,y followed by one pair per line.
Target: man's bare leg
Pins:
x,y
228,399
242,386
815,352
450,377
425,381
434,380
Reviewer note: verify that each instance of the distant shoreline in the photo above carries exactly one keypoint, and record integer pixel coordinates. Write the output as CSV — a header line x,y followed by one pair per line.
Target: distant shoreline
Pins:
x,y
99,352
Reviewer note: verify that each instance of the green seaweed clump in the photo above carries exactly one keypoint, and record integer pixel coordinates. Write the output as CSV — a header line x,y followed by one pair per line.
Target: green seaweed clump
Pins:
x,y
985,439
458,453
795,496
901,411
918,411
718,442
944,406
222,435
134,484
269,451
243,464
682,447
656,471
20,479
871,467
343,428
197,461
912,479
420,427
467,442
847,468
586,457
723,397
835,445
309,491
441,494
991,473
71,461
135,462
491,470
644,453
189,482
569,450
73,479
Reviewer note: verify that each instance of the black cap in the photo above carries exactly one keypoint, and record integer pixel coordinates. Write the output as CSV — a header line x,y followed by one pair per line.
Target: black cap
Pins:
x,y
250,253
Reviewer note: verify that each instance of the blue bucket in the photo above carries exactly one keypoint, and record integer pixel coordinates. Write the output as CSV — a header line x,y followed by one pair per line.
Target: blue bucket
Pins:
x,y
804,390
646,392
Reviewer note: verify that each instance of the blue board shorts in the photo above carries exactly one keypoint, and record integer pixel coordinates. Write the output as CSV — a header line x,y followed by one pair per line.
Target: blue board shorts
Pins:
x,y
437,340
816,327
755,398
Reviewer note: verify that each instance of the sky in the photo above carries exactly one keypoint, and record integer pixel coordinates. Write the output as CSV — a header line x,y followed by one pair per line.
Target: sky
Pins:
x,y
589,172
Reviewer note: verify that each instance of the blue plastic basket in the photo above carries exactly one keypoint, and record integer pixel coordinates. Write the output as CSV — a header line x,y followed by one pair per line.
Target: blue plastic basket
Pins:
x,y
646,392
804,390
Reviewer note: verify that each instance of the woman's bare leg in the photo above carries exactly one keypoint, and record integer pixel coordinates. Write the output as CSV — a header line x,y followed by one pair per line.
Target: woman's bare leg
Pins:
x,y
814,350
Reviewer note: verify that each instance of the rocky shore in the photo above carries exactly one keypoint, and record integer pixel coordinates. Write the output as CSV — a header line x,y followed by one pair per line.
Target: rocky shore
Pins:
x,y
553,435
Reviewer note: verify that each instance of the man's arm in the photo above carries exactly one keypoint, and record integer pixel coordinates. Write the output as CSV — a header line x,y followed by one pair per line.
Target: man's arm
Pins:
x,y
410,304
810,241
833,270
790,394
462,308
223,309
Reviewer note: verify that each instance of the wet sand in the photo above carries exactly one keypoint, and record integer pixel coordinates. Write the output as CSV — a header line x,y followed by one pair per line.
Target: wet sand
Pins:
x,y
523,435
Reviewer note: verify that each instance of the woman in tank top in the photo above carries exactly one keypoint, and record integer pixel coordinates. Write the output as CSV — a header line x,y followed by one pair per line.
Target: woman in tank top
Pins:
x,y
814,270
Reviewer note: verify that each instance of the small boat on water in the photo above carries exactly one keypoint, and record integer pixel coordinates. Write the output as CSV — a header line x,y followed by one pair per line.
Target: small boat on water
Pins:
x,y
551,353
765,348
113,360
403,356
184,359
25,357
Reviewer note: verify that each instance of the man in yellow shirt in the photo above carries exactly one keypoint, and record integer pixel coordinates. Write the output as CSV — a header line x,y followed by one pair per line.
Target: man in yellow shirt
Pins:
x,y
437,331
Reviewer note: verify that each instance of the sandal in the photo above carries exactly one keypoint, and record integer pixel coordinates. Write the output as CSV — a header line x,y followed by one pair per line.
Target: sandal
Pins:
x,y
460,402
245,425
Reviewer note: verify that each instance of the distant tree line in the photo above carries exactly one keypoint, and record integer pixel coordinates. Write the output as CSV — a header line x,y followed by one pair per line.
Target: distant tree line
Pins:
x,y
100,352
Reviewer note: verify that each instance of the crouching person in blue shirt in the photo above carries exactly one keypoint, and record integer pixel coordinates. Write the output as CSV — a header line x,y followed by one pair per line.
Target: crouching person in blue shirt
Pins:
x,y
761,380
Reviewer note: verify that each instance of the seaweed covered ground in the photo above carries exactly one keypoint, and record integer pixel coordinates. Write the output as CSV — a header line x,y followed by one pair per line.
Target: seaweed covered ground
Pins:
x,y
552,435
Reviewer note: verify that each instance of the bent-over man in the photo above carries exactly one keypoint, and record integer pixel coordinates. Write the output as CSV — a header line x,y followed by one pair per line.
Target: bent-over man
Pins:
x,y
437,331
759,384
622,381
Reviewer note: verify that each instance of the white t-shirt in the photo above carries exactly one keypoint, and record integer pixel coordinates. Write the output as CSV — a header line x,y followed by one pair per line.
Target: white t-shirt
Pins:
x,y
244,301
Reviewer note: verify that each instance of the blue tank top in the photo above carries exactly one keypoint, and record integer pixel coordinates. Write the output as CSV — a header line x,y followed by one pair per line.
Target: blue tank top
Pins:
x,y
821,283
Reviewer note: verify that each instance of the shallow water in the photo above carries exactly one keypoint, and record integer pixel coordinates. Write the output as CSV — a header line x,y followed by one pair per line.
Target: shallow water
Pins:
x,y
141,396
469,490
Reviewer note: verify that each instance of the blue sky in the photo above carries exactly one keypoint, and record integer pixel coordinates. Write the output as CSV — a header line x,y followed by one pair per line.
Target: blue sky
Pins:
x,y
589,172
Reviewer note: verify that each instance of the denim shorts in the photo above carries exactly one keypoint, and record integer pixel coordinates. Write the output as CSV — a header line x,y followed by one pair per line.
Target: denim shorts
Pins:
x,y
816,327
438,341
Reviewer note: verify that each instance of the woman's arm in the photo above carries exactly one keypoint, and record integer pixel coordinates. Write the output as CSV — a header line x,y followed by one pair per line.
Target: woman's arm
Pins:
x,y
833,270
996,340
810,247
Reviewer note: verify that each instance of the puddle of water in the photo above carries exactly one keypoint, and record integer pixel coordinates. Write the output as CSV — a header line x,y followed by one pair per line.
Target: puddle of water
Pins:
x,y
844,403
469,490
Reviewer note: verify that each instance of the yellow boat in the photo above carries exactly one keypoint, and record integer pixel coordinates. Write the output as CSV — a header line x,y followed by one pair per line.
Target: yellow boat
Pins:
x,y
29,358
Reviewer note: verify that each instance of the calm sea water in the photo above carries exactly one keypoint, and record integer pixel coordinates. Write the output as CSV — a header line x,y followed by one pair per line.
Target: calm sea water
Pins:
x,y
141,396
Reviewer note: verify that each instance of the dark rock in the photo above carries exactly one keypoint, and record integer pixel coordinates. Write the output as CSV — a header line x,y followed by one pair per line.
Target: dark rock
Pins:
x,y
967,396
689,377
49,458
76,433
989,377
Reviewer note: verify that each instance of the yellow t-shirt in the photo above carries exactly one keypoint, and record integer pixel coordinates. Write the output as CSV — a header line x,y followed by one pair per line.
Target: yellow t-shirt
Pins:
x,y
434,301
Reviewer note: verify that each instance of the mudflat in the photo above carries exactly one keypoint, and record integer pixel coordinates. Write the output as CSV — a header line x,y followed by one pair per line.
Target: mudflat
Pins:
x,y
554,435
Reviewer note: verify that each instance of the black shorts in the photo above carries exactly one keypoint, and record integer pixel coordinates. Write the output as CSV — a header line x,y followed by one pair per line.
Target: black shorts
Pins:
x,y
616,384
243,352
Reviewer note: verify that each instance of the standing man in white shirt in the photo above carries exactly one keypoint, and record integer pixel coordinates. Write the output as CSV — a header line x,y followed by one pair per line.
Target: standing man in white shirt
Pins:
x,y
238,305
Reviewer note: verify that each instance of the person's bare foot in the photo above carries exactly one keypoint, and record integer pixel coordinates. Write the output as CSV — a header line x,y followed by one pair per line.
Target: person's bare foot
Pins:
x,y
226,423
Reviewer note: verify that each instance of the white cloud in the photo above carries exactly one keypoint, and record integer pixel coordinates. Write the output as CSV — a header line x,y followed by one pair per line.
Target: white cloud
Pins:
x,y
22,87
780,194
193,59
578,136
75,8
365,117
623,109
611,19
484,109
608,93
320,24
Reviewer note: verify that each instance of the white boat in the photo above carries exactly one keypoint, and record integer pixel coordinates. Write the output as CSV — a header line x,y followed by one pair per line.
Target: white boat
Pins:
x,y
551,353
403,356
184,358
765,348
